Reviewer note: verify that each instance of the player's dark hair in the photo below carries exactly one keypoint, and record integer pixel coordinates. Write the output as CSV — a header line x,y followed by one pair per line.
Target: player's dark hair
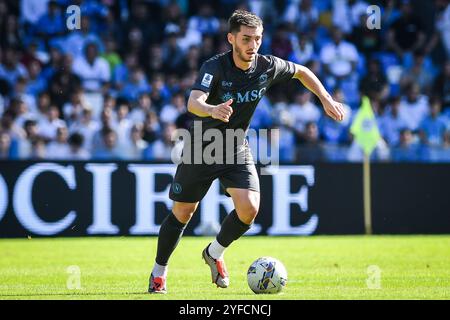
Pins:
x,y
243,18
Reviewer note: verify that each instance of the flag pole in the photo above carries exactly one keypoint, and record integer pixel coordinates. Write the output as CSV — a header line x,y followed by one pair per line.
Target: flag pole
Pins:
x,y
367,193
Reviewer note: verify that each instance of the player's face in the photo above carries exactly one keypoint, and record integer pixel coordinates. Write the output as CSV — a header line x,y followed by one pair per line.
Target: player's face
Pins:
x,y
246,42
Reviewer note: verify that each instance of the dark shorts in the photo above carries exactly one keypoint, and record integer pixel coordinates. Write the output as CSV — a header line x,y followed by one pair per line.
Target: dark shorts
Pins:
x,y
192,181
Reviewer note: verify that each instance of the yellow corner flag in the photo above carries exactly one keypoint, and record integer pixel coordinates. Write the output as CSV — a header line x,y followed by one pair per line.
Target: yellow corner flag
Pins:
x,y
364,127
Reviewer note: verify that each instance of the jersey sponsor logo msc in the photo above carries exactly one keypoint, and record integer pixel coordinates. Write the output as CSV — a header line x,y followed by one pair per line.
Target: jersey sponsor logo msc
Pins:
x,y
247,96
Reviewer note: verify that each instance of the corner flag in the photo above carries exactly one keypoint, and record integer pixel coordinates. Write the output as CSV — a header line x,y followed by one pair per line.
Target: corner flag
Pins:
x,y
364,127
365,130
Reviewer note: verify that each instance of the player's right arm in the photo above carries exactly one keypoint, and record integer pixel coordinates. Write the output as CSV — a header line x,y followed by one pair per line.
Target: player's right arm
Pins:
x,y
198,106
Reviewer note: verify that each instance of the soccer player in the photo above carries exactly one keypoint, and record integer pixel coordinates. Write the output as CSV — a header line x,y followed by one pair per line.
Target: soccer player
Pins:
x,y
225,95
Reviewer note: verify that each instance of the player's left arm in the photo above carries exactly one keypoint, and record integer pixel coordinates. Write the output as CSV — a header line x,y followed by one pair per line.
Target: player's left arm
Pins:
x,y
332,108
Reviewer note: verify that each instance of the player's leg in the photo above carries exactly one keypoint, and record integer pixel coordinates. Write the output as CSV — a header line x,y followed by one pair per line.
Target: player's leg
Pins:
x,y
239,221
169,236
242,184
171,231
188,188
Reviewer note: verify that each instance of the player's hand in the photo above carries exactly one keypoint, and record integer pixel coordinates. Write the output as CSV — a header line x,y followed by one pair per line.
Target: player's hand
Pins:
x,y
222,111
334,109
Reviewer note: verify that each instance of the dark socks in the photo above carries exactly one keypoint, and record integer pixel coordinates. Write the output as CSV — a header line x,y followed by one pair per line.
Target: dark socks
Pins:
x,y
169,235
232,229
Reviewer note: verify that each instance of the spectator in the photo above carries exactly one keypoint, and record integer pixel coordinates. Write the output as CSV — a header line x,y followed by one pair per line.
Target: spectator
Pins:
x,y
95,10
392,122
433,127
111,54
48,127
333,132
20,93
208,48
86,127
135,86
374,84
54,64
122,71
281,45
172,53
155,62
123,125
152,127
38,149
59,149
19,108
262,117
78,39
92,69
32,10
442,27
302,50
73,109
148,29
110,103
347,13
160,93
339,59
441,86
407,33
382,152
36,83
108,150
414,107
418,73
31,135
10,68
170,112
310,149
77,152
303,16
107,123
173,13
184,120
191,61
8,125
10,32
205,22
135,43
144,105
303,111
161,149
135,145
43,65
32,53
366,40
408,149
51,24
112,28
43,104
188,37
63,82
5,145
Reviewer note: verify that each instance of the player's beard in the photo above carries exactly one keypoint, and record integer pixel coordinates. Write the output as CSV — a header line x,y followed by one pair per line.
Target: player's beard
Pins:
x,y
241,55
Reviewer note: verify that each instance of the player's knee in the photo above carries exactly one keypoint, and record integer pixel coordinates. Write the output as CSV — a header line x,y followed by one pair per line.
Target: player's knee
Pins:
x,y
249,210
184,211
252,212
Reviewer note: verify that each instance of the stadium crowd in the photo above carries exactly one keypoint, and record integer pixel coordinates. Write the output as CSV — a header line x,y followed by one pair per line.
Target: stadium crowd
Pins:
x,y
117,87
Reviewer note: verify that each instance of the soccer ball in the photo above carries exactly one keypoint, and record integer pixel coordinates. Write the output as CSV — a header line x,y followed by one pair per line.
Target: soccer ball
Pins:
x,y
267,275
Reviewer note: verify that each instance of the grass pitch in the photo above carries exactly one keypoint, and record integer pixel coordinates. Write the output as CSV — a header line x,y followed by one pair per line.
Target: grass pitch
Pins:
x,y
319,267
